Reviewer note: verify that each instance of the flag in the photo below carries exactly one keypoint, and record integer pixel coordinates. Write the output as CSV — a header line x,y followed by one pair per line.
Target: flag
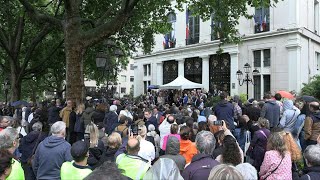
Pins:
x,y
165,42
172,37
264,23
187,23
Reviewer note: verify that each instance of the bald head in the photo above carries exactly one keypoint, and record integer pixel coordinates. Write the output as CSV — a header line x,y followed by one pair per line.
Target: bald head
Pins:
x,y
133,146
314,106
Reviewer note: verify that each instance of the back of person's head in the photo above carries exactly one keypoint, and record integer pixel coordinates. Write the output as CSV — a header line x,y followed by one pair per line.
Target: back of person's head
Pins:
x,y
278,96
114,140
203,126
225,172
314,106
189,122
151,128
37,126
5,163
133,146
107,171
93,130
263,123
248,171
113,108
243,122
223,95
211,119
205,142
276,142
185,132
197,111
123,119
170,119
292,146
174,128
8,138
267,95
58,128
219,136
142,130
79,151
312,155
231,152
101,107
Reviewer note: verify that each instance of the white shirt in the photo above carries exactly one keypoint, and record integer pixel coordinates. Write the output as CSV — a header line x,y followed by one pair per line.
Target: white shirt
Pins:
x,y
164,129
30,117
147,150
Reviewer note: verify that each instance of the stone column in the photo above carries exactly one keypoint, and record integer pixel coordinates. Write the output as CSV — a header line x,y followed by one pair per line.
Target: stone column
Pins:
x,y
234,66
159,73
205,72
180,67
294,61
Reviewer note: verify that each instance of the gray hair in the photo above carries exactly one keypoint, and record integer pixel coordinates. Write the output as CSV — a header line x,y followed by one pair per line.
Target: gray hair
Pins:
x,y
226,172
312,155
247,171
205,142
113,108
7,137
10,119
58,127
37,126
211,118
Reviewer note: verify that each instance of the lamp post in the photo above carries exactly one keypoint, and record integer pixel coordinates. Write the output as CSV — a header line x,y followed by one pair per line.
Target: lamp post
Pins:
x,y
6,86
103,60
247,79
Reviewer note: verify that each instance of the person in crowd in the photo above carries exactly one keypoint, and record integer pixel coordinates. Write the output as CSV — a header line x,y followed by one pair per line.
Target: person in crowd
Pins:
x,y
122,128
156,138
53,112
126,112
28,146
187,148
271,111
247,171
9,141
164,168
156,113
72,135
278,99
107,171
200,117
87,115
241,132
258,144
224,111
54,149
203,126
193,130
114,143
164,129
148,150
237,111
173,132
150,119
298,132
219,143
99,113
65,114
213,128
312,158
202,162
4,123
231,153
289,116
78,169
79,124
6,159
225,172
96,146
172,152
111,119
312,124
277,160
252,110
132,165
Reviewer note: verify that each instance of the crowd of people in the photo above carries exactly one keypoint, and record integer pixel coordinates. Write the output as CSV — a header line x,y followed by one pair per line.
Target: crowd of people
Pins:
x,y
178,137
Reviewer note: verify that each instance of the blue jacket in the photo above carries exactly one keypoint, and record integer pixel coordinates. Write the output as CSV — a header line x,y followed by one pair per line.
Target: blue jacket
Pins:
x,y
51,153
224,111
271,111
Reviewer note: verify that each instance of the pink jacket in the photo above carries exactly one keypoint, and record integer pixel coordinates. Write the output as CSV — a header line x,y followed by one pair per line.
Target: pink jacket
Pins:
x,y
270,162
165,139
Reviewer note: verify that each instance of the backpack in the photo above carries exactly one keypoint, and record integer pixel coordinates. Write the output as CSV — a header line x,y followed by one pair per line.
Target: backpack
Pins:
x,y
87,118
120,132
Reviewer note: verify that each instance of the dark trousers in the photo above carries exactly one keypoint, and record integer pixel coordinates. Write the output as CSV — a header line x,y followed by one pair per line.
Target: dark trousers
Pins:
x,y
28,172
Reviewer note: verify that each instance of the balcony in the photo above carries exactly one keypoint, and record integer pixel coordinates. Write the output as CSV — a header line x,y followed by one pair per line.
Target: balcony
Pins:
x,y
192,40
259,28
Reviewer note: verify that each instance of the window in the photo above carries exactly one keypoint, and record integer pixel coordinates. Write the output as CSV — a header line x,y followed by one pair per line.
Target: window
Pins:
x,y
123,90
266,83
214,25
262,19
131,66
131,78
264,55
169,38
257,87
316,16
146,85
192,28
147,69
123,78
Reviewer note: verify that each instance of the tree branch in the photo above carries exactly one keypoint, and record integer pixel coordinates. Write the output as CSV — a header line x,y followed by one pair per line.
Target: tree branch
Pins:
x,y
18,36
90,21
39,17
4,41
108,13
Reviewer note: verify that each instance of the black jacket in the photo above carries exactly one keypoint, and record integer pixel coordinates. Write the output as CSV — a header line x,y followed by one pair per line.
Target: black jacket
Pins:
x,y
313,172
27,144
53,114
98,116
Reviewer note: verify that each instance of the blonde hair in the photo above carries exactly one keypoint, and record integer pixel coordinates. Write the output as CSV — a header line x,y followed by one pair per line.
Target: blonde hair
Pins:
x,y
292,146
80,108
142,131
93,130
114,140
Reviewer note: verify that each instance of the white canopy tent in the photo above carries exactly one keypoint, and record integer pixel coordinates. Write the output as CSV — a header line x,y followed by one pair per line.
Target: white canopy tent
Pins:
x,y
181,83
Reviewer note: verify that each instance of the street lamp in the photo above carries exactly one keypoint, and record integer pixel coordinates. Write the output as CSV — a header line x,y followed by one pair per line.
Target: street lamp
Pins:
x,y
6,86
247,79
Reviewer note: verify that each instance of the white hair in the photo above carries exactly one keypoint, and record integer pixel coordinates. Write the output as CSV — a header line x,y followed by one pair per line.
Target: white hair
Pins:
x,y
247,171
212,118
37,126
113,108
7,137
58,127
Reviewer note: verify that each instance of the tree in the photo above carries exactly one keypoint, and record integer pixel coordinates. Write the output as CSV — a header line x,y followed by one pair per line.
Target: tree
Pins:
x,y
24,46
312,88
86,23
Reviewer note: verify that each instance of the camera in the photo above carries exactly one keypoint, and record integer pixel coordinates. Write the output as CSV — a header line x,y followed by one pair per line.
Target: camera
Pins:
x,y
218,123
134,129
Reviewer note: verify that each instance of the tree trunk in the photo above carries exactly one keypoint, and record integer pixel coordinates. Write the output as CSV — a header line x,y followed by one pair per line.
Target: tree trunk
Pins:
x,y
15,83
